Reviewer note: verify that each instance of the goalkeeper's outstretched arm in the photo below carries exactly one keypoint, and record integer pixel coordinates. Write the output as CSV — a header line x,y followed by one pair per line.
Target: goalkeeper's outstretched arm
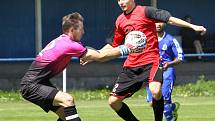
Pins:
x,y
105,54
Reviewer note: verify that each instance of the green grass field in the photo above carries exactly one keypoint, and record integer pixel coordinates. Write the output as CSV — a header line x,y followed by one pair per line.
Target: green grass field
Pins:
x,y
192,109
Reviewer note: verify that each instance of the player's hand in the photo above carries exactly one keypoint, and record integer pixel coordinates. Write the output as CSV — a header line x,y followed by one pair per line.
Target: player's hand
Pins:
x,y
136,50
125,50
165,66
201,29
84,62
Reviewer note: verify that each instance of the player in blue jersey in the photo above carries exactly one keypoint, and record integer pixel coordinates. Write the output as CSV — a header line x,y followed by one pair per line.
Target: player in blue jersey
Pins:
x,y
171,54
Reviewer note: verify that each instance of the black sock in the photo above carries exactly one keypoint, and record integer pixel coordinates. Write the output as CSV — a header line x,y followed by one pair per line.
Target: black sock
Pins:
x,y
158,108
126,113
71,114
59,119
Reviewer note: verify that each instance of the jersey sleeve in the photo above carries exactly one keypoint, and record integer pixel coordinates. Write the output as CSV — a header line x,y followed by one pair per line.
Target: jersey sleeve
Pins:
x,y
177,50
77,49
158,14
118,36
115,37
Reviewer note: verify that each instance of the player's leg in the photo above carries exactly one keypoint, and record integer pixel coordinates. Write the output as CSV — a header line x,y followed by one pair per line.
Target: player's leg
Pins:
x,y
155,82
175,107
60,112
68,110
198,47
170,109
157,100
155,88
43,94
121,109
168,80
40,94
125,86
62,104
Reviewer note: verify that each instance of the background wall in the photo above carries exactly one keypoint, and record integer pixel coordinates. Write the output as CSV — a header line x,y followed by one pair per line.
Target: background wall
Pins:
x,y
99,15
201,12
98,75
17,28
17,21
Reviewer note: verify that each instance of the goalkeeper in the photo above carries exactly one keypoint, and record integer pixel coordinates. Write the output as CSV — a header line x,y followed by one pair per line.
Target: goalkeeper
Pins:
x,y
52,60
171,54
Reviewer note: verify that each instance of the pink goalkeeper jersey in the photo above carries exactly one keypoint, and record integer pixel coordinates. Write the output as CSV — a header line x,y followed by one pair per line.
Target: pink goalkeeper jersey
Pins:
x,y
57,54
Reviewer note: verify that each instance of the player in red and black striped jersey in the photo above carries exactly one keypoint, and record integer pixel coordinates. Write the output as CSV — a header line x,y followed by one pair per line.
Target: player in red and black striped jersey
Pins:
x,y
140,67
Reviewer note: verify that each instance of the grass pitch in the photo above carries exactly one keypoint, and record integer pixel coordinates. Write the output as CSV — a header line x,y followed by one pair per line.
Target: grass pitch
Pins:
x,y
192,109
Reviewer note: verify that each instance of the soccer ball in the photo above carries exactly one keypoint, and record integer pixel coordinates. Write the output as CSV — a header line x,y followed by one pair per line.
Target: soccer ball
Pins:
x,y
135,40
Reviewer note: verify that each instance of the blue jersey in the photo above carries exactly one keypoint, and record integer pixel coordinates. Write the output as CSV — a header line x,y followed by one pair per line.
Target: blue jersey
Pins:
x,y
170,48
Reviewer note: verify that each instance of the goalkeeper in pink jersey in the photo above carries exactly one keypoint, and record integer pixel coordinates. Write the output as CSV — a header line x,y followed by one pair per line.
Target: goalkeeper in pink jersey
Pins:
x,y
53,59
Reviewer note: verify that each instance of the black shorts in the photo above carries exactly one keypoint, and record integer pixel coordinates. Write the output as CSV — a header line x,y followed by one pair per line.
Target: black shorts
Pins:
x,y
130,80
41,93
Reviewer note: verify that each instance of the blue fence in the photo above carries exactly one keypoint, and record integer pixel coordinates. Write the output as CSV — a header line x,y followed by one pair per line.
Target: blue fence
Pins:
x,y
119,59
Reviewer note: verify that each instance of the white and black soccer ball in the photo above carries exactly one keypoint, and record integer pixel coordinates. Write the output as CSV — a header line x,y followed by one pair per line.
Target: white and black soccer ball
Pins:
x,y
135,40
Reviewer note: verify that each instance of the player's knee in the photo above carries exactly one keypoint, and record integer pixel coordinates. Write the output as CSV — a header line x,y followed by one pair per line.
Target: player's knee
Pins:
x,y
111,101
68,101
155,89
156,94
64,99
115,103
